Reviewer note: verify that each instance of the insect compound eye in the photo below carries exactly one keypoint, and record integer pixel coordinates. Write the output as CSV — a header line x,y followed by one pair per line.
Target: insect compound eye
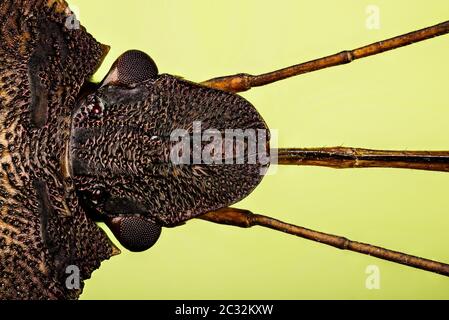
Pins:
x,y
136,234
131,68
135,66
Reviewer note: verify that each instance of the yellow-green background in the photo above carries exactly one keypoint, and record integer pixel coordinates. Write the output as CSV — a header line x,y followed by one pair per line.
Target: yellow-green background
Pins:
x,y
398,100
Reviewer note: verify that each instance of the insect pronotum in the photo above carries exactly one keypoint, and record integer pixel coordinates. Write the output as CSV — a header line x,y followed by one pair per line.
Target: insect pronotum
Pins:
x,y
359,213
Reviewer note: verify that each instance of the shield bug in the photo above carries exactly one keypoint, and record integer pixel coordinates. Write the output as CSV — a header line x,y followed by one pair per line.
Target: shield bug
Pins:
x,y
76,152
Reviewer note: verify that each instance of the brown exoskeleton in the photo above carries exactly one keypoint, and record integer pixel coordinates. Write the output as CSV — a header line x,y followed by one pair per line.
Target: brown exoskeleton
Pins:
x,y
74,152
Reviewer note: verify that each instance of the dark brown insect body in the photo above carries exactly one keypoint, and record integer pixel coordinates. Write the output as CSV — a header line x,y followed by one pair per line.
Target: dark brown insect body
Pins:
x,y
73,152
114,157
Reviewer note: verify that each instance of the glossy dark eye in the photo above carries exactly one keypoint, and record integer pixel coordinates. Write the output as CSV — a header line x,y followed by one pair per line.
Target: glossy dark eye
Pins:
x,y
135,233
97,110
90,109
96,194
